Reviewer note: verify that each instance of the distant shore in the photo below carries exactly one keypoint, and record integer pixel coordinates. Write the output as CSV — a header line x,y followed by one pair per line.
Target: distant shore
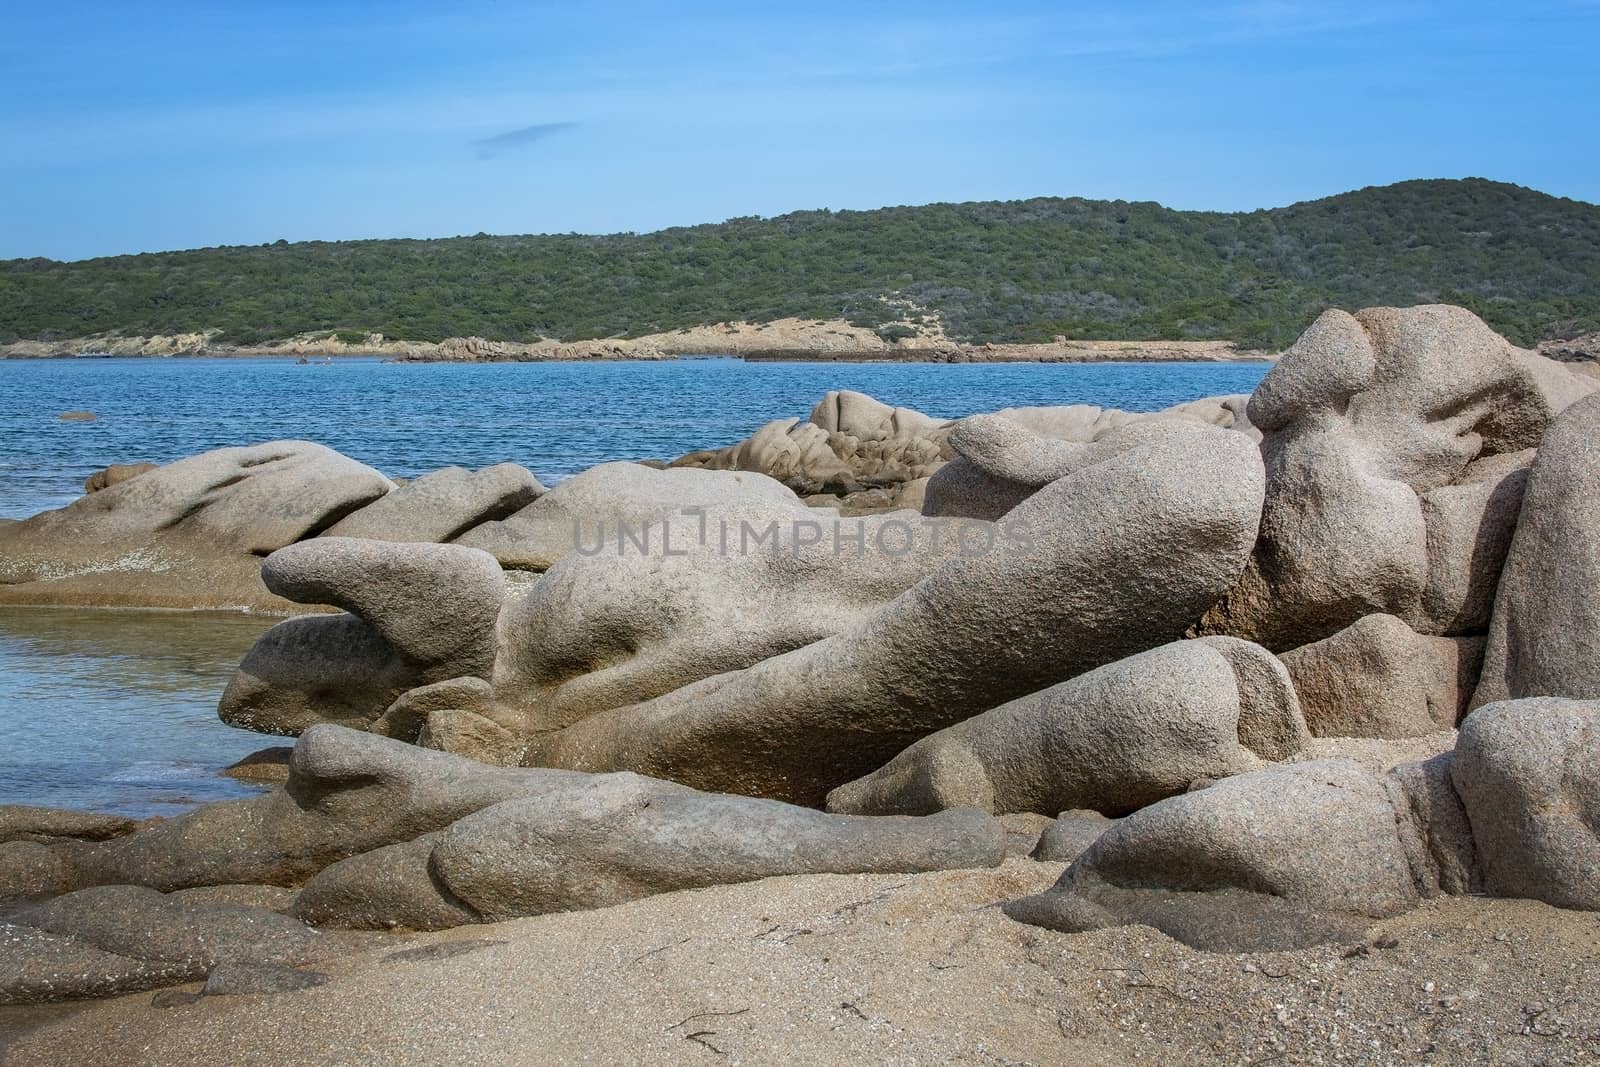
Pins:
x,y
832,341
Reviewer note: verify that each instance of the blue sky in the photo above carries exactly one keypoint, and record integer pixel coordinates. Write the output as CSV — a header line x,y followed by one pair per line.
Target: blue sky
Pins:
x,y
136,126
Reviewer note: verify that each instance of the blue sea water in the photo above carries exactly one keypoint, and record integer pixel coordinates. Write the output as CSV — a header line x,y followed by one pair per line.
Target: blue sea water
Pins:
x,y
117,710
553,418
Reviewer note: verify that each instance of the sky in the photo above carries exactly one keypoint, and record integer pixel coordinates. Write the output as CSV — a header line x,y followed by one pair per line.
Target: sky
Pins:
x,y
140,126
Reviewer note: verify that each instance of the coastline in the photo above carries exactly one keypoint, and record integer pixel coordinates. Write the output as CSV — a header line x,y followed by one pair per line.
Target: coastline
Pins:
x,y
783,340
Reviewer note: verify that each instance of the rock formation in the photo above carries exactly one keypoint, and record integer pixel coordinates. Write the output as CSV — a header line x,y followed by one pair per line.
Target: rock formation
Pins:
x,y
1394,443
190,534
1057,638
1115,739
982,629
1545,631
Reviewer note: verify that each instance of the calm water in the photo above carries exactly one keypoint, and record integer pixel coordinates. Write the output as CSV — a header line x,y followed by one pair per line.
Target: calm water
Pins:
x,y
553,418
117,710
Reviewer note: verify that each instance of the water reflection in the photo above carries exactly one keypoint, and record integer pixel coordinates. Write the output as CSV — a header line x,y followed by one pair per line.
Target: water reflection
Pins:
x,y
116,710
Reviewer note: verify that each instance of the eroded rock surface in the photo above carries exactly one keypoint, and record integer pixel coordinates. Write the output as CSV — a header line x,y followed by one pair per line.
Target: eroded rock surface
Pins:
x,y
1545,632
1113,740
1391,483
190,534
1179,511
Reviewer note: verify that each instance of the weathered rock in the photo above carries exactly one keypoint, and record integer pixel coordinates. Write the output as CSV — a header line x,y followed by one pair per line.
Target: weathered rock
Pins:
x,y
419,613
443,505
1283,857
1023,830
612,500
38,968
1469,529
188,534
348,792
1546,625
849,441
1380,678
121,938
618,837
33,869
1071,835
1369,420
389,888
115,474
141,923
266,765
1048,603
466,733
269,897
405,718
21,822
606,631
1528,773
1004,458
1113,740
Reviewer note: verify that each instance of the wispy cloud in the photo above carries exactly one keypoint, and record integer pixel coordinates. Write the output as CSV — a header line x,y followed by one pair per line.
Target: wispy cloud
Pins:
x,y
518,140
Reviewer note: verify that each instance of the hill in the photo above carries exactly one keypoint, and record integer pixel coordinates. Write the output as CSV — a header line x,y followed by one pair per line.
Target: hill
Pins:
x,y
1013,271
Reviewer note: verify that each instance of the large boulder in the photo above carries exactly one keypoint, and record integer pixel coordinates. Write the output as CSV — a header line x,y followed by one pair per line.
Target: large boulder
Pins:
x,y
442,505
1546,626
849,442
348,792
618,500
1113,740
121,938
1283,857
617,838
613,838
753,582
1528,772
1048,599
1380,678
186,535
417,614
1003,458
1391,442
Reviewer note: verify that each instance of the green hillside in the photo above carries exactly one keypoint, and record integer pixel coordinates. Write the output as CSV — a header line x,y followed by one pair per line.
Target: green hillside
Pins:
x,y
995,271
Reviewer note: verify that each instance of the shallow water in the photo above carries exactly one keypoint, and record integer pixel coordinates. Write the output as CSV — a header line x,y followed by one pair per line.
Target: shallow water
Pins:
x,y
117,710
553,418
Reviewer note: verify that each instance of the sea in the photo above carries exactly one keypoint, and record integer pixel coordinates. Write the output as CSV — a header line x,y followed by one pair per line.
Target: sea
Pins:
x,y
116,710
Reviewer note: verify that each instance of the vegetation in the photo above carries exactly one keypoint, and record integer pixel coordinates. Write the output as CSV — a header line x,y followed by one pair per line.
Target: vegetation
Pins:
x,y
994,271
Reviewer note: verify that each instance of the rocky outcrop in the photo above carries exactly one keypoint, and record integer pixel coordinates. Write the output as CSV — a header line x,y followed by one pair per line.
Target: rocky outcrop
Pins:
x,y
614,838
850,441
1283,857
443,505
1314,851
1001,461
1529,774
115,474
982,629
348,792
417,614
190,534
1113,740
752,583
1546,625
614,501
856,448
1389,438
1380,678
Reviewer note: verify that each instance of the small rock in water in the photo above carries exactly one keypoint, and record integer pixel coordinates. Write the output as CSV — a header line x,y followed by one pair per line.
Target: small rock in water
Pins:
x,y
78,416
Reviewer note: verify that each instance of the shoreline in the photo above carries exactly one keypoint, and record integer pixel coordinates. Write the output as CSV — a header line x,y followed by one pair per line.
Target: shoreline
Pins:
x,y
782,340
